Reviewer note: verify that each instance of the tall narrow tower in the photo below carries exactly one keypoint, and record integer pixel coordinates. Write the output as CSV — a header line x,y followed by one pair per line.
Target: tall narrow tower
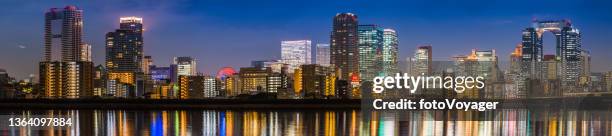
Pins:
x,y
124,58
66,70
344,49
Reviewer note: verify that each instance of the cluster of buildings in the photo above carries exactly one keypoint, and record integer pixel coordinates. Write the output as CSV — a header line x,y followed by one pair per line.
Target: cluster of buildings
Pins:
x,y
340,69
355,54
530,72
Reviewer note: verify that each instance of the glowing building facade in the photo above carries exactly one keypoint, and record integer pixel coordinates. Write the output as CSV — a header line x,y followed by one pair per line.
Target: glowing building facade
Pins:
x,y
323,54
568,49
124,56
185,66
317,81
370,51
422,61
390,52
296,53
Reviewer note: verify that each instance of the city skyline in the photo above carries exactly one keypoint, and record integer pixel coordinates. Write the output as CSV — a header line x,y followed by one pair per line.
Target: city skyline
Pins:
x,y
28,41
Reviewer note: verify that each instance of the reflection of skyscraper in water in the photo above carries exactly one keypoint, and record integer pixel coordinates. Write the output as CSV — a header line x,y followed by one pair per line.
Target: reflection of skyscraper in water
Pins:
x,y
210,123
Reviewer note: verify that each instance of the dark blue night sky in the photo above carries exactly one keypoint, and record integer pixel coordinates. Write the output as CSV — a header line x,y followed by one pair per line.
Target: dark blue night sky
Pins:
x,y
232,33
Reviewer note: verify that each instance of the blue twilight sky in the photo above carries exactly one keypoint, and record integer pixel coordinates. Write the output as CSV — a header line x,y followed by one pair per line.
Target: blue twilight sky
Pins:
x,y
232,33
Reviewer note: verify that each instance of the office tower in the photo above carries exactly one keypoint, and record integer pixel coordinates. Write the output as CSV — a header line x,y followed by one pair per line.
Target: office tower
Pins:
x,y
344,50
85,52
124,47
585,62
487,64
65,71
422,61
124,57
317,81
146,64
254,80
515,59
63,30
479,63
323,54
146,70
370,51
390,51
296,53
568,48
185,65
513,72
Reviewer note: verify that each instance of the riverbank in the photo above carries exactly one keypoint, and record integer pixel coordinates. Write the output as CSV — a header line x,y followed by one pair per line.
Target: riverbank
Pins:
x,y
180,104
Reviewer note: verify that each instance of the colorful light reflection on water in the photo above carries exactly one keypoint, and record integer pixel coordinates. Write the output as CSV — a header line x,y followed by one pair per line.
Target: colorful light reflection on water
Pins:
x,y
313,122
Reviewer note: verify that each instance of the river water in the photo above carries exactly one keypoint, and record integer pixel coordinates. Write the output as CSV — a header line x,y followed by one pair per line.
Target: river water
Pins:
x,y
512,122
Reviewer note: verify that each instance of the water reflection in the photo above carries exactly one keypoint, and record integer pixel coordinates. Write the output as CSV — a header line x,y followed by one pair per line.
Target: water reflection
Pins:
x,y
328,123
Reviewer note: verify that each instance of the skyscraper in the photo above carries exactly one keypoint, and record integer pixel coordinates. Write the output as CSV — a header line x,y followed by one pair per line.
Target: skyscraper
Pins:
x,y
322,54
370,51
479,63
390,52
344,49
568,50
85,52
66,70
296,53
63,30
422,60
146,64
124,55
186,66
124,47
